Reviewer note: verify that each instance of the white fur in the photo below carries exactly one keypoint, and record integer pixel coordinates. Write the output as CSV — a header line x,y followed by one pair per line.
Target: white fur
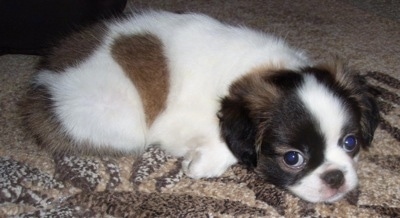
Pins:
x,y
330,113
325,107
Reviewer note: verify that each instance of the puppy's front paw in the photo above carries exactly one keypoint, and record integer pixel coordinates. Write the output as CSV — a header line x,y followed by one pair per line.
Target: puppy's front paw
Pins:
x,y
207,161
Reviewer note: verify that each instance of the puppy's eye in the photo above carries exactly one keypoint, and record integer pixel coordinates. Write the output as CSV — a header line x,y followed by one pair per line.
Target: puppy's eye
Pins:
x,y
349,143
293,159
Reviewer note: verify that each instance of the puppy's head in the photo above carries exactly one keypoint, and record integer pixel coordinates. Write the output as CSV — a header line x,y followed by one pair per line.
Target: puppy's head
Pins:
x,y
301,130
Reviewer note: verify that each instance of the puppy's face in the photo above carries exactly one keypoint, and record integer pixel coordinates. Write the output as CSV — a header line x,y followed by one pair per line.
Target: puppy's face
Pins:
x,y
301,130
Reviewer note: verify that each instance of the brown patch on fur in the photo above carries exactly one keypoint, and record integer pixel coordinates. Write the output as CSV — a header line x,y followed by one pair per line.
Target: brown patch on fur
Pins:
x,y
254,88
37,111
142,58
268,68
75,48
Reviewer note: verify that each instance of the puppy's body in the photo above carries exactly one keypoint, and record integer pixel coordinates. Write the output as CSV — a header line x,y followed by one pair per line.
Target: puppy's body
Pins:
x,y
162,78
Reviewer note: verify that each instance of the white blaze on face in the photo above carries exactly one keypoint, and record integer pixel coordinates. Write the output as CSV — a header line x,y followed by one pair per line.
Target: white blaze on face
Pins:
x,y
325,107
331,115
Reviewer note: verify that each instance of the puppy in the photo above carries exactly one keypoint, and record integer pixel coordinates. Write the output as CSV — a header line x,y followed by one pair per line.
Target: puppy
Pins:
x,y
212,93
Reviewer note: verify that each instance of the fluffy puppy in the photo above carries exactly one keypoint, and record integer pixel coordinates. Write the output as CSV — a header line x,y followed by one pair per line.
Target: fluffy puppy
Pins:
x,y
213,93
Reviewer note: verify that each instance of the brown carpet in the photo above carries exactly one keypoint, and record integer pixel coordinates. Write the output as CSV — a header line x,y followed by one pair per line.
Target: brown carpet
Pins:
x,y
34,184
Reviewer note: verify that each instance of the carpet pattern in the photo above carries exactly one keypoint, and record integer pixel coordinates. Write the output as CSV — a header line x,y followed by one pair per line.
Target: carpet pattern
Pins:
x,y
35,184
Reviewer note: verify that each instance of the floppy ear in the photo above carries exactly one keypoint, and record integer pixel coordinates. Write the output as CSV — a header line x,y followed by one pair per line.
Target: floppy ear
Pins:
x,y
362,94
369,112
238,130
241,114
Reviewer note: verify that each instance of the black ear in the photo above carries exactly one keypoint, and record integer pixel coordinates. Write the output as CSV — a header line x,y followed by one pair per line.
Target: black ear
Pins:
x,y
238,130
369,112
245,111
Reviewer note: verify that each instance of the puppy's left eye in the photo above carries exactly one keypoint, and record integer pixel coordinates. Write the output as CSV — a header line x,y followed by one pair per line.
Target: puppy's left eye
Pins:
x,y
349,143
293,159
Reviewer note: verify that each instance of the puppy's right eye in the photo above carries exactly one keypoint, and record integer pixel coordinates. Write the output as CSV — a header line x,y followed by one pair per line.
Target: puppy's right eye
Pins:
x,y
349,143
293,159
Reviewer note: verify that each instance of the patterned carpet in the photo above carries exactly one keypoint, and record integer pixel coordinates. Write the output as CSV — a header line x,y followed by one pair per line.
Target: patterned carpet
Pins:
x,y
35,184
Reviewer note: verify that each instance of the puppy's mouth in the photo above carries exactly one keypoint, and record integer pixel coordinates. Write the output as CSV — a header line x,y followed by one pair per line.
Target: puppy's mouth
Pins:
x,y
332,195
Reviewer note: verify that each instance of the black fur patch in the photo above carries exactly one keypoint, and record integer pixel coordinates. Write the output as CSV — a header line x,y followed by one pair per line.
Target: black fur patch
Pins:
x,y
239,131
291,127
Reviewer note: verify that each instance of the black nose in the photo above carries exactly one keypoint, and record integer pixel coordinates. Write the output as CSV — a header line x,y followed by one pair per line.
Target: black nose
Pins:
x,y
334,178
